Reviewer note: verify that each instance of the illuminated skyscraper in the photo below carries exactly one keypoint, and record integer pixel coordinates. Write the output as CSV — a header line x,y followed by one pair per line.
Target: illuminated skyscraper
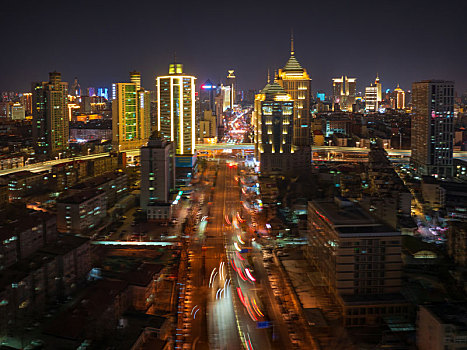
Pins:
x,y
273,120
399,98
176,109
373,96
131,119
232,82
296,82
344,90
50,115
432,127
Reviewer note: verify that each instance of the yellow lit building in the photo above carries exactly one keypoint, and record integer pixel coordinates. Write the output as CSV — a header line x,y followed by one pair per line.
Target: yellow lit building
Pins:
x,y
344,90
176,109
296,82
400,97
373,96
131,123
273,120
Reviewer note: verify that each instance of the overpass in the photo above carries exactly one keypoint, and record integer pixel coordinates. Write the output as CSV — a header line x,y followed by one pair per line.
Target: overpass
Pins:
x,y
131,243
37,167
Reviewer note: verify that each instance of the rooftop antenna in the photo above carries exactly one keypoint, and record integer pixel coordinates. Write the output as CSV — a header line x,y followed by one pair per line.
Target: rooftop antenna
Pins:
x,y
269,78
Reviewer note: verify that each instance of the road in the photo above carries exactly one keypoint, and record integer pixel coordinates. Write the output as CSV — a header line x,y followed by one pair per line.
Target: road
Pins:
x,y
223,320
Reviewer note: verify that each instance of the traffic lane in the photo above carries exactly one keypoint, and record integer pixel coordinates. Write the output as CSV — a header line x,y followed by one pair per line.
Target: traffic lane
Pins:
x,y
221,317
273,305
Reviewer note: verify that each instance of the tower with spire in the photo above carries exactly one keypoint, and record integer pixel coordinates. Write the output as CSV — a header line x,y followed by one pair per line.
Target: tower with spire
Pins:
x,y
295,80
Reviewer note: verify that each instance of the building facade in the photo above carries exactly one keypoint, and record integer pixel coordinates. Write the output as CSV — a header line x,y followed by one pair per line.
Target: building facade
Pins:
x,y
373,96
399,98
359,260
131,114
273,121
81,211
442,326
176,109
432,127
50,116
157,171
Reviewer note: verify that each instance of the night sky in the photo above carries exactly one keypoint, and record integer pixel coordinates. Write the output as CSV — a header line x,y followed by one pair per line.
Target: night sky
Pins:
x,y
100,42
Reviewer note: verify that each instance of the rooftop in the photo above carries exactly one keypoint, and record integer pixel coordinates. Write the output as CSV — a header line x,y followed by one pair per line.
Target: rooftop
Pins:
x,y
450,313
348,217
99,180
74,322
143,275
79,197
64,244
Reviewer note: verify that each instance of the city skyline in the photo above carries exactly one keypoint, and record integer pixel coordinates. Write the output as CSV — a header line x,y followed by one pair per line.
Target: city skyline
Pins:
x,y
399,49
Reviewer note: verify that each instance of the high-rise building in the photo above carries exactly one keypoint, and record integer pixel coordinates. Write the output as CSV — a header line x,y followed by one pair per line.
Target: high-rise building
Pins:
x,y
273,122
432,127
75,89
50,115
399,98
131,119
344,91
157,171
206,97
26,100
373,96
296,82
176,109
232,82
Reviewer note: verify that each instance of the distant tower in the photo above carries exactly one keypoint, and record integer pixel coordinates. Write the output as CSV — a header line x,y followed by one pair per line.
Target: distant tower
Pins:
x,y
373,96
400,97
232,82
75,88
432,127
344,91
50,120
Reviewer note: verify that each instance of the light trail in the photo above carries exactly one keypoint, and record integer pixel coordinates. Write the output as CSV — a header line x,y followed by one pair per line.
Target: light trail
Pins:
x,y
239,256
250,276
212,274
